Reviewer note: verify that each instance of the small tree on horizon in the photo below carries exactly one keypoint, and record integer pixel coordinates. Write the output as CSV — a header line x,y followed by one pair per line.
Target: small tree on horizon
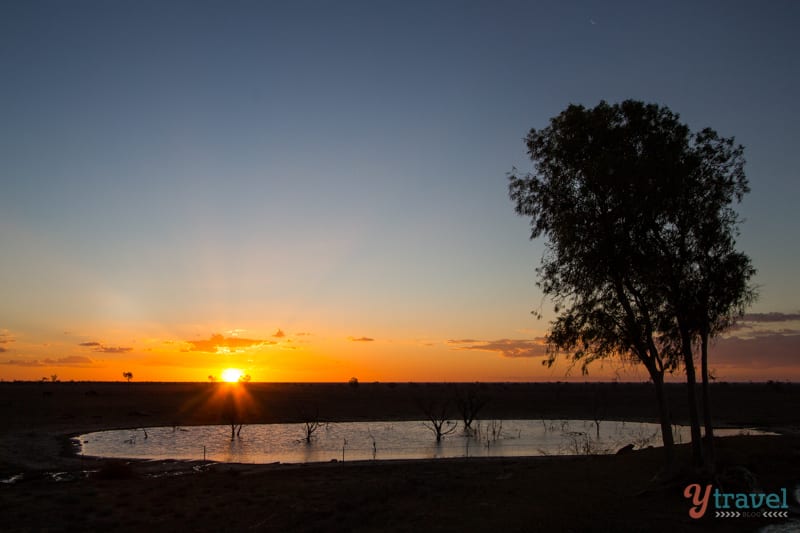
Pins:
x,y
128,376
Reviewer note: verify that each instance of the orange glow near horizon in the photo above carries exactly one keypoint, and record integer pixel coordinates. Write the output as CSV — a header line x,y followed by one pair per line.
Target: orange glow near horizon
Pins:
x,y
307,354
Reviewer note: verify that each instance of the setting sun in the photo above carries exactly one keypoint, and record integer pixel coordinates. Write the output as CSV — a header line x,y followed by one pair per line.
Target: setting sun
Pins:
x,y
231,375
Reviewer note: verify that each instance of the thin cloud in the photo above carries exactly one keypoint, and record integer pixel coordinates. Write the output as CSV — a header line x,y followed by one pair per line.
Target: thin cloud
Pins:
x,y
771,317
739,326
764,351
217,341
2,349
20,362
72,360
764,324
749,330
113,349
361,339
101,348
5,337
770,332
513,348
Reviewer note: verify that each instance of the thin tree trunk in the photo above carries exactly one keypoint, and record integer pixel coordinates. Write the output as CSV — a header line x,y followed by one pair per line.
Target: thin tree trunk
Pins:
x,y
664,418
694,419
707,421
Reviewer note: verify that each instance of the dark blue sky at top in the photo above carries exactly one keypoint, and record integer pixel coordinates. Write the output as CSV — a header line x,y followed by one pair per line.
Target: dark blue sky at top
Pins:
x,y
140,132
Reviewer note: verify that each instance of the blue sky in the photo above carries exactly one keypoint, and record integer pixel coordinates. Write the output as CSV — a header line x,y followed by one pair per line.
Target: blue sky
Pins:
x,y
174,170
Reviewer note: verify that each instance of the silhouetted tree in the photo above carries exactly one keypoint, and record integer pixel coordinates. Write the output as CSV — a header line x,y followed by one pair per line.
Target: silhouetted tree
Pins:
x,y
128,376
705,281
599,408
469,401
711,297
232,409
437,417
311,423
637,213
732,273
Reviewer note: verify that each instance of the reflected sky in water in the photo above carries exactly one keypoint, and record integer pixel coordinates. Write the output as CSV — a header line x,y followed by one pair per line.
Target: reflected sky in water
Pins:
x,y
349,441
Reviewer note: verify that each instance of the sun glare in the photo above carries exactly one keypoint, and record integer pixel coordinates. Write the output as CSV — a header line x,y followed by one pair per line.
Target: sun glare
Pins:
x,y
231,375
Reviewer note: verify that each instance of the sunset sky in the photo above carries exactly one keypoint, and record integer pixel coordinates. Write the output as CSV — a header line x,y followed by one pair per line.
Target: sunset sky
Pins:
x,y
311,191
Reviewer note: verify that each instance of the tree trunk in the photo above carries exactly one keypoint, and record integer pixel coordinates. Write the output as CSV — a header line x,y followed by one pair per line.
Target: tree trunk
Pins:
x,y
664,417
691,384
707,421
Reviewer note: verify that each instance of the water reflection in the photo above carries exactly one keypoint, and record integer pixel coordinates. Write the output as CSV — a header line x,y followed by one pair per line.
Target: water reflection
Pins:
x,y
268,443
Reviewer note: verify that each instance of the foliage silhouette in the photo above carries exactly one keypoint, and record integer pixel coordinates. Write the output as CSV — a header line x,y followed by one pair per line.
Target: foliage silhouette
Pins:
x,y
640,259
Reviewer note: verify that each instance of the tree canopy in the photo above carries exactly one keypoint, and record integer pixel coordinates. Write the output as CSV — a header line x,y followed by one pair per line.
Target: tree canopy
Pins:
x,y
640,256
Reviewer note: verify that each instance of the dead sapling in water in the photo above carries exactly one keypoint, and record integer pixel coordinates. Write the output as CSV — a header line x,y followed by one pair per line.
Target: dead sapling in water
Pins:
x,y
311,423
374,444
469,402
437,418
599,409
233,414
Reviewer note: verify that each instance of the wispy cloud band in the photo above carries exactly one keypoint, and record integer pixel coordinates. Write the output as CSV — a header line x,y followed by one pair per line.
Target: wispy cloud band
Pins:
x,y
513,348
72,360
217,341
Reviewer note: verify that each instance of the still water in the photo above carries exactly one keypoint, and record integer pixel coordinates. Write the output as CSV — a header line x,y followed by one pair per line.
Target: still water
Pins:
x,y
350,441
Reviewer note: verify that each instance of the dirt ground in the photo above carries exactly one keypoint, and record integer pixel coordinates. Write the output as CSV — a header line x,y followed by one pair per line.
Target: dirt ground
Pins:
x,y
579,493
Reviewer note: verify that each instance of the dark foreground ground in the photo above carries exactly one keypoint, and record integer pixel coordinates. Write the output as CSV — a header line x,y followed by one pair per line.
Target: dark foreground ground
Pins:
x,y
584,493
